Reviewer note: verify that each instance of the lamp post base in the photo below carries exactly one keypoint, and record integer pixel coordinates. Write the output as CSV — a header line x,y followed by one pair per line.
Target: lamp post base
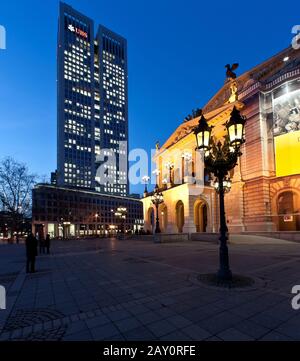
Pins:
x,y
157,229
224,275
224,272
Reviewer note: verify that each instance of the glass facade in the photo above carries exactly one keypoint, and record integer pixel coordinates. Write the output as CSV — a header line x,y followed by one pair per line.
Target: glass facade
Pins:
x,y
92,104
111,55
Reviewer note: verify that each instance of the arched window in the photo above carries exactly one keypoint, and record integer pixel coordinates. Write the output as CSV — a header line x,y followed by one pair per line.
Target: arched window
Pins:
x,y
200,216
285,203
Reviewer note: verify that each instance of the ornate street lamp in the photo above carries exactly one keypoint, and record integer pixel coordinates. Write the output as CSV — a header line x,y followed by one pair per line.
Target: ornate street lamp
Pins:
x,y
146,179
235,128
226,185
203,134
157,198
219,159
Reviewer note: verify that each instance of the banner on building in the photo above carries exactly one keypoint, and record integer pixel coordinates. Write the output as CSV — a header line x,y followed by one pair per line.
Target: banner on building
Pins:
x,y
286,129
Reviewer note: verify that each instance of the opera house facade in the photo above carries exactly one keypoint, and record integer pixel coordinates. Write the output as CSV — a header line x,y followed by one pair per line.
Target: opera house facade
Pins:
x,y
264,191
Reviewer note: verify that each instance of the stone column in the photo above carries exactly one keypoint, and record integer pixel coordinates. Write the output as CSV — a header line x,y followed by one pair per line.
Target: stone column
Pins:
x,y
189,224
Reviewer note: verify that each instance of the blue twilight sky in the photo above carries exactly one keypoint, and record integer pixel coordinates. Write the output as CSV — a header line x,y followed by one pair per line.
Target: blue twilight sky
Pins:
x,y
176,56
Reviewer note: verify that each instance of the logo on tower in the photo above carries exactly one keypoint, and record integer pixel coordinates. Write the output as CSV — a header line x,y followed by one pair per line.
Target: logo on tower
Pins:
x,y
78,31
71,27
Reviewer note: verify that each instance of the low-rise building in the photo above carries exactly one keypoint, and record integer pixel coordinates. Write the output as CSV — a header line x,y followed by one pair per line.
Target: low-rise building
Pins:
x,y
69,212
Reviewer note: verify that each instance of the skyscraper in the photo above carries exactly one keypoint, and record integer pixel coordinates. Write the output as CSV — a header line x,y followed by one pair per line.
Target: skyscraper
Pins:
x,y
92,105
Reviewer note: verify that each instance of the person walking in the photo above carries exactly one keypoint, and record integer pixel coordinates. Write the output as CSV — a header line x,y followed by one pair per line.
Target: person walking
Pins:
x,y
41,242
31,252
47,243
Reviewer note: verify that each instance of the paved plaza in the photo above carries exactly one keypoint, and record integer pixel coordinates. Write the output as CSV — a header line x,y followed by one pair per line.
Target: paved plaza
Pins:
x,y
108,289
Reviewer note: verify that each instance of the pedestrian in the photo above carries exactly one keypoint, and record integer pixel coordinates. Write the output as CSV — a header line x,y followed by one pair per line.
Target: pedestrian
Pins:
x,y
47,243
41,242
31,252
37,236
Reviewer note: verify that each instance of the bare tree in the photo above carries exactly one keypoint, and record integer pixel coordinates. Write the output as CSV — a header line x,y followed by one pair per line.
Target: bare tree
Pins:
x,y
16,184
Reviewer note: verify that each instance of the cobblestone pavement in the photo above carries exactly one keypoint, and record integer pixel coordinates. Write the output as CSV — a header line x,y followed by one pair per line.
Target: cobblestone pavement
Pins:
x,y
138,290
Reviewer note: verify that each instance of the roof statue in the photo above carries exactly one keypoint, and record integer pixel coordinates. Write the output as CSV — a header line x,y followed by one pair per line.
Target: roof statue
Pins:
x,y
233,92
195,113
229,72
230,77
